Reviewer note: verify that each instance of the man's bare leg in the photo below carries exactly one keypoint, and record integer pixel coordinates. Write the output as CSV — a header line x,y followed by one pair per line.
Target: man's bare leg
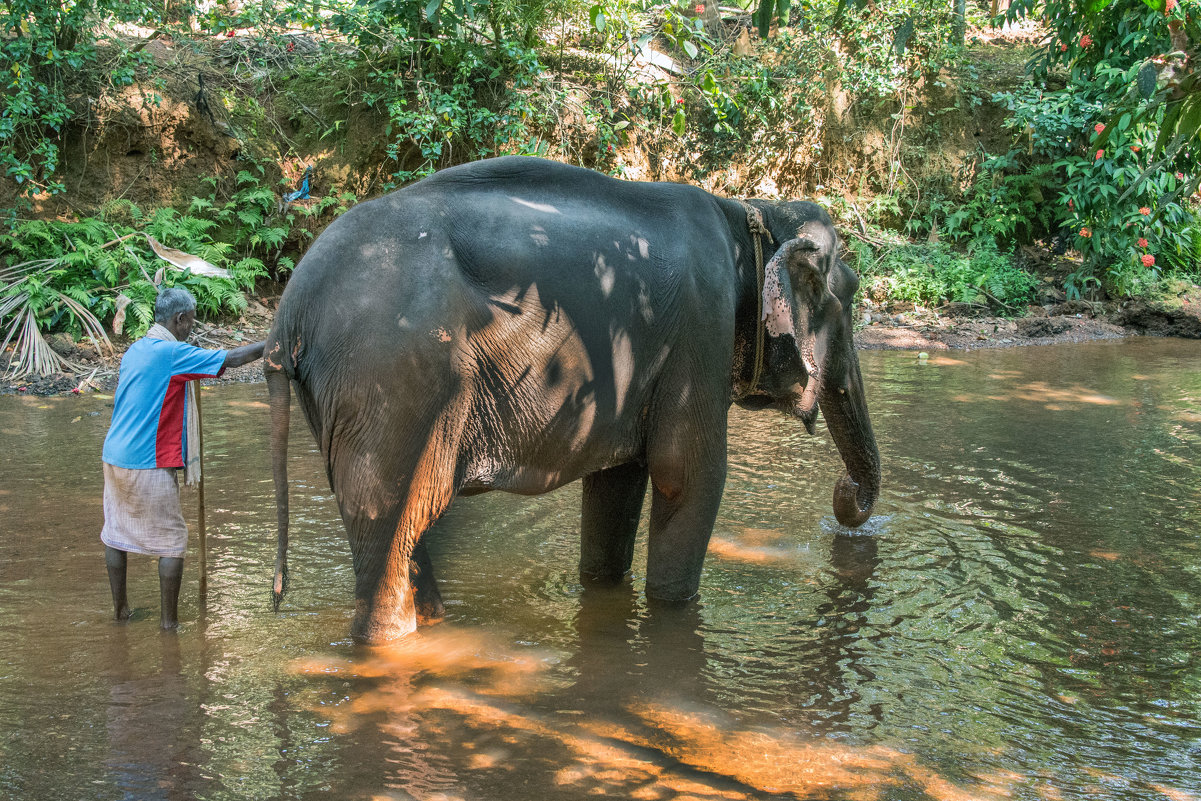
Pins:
x,y
115,561
170,574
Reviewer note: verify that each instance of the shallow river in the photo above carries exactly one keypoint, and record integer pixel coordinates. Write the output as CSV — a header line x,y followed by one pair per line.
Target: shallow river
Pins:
x,y
1020,620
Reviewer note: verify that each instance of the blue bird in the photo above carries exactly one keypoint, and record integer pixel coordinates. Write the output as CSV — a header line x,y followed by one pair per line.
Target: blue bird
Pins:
x,y
303,192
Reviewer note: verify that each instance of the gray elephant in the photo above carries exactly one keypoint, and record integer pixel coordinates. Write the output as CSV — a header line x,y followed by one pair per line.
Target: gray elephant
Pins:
x,y
517,324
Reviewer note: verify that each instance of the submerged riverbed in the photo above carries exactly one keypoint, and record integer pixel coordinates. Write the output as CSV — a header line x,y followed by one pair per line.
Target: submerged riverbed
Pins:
x,y
1018,621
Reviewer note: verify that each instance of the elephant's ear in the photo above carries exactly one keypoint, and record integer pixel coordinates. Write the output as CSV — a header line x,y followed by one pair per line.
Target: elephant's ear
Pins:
x,y
799,262
778,299
784,370
793,282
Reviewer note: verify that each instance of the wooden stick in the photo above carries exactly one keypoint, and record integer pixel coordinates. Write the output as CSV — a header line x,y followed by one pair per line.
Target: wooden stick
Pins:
x,y
200,516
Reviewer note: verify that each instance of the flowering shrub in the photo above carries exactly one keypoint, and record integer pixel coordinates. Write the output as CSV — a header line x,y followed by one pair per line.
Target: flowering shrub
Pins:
x,y
1127,169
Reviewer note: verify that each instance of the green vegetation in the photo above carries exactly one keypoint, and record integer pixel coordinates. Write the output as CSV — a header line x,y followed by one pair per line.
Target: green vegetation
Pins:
x,y
1102,152
931,275
1109,122
71,276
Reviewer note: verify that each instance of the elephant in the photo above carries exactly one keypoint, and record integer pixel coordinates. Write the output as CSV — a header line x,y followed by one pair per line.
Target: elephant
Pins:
x,y
517,324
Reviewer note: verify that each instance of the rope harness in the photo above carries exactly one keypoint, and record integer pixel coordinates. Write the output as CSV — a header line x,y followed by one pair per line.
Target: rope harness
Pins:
x,y
758,229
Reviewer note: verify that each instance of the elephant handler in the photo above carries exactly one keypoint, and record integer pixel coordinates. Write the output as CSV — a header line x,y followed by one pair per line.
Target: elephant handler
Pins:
x,y
154,433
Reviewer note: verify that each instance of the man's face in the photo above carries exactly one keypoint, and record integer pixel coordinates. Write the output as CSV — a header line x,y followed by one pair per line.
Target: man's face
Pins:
x,y
182,328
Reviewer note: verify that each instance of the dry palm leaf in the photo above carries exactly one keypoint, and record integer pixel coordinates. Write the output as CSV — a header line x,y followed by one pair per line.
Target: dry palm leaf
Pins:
x,y
185,261
32,354
119,316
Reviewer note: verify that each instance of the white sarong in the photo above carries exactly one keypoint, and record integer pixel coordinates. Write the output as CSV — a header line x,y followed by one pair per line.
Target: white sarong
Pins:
x,y
142,512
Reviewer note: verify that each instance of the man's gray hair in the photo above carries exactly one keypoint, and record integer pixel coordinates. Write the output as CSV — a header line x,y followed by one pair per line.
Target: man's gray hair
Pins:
x,y
171,302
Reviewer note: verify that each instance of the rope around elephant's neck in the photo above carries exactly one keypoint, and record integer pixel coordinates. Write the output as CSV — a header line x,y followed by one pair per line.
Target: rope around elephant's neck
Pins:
x,y
755,224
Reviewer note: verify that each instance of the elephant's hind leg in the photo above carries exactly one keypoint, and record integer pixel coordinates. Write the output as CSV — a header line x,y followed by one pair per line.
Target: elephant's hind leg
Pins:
x,y
426,596
393,574
611,507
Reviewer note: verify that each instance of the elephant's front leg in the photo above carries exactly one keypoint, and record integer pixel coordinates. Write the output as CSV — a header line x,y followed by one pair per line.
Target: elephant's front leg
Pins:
x,y
687,460
611,507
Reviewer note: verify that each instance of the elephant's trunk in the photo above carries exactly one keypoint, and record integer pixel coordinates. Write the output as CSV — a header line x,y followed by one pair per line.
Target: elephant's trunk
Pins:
x,y
845,409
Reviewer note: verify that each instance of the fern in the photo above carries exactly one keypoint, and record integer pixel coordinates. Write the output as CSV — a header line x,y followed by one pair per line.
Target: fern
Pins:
x,y
199,205
271,237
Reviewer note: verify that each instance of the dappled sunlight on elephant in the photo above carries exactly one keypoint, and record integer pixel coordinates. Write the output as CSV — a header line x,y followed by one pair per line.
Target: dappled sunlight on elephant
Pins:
x,y
517,324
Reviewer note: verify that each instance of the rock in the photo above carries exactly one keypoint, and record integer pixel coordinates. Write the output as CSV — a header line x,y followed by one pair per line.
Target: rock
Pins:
x,y
1049,296
62,344
965,310
1034,327
1158,320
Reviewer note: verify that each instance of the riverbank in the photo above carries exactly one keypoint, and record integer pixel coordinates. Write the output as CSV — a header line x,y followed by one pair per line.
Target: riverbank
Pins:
x,y
963,327
896,326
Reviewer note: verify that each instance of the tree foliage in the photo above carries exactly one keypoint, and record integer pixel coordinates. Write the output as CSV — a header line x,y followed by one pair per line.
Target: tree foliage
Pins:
x,y
1122,133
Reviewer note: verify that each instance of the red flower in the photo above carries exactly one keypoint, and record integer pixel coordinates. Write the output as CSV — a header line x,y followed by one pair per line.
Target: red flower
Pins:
x,y
1148,260
1169,6
700,8
1135,148
1179,176
679,100
1063,47
1084,232
1142,243
1071,205
1099,127
291,46
229,34
1143,210
1100,153
1086,40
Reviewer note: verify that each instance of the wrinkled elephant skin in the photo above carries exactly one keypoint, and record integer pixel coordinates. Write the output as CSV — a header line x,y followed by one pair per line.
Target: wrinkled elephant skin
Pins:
x,y
517,324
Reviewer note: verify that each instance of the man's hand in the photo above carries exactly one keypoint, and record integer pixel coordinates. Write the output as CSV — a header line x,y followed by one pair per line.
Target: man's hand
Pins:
x,y
243,355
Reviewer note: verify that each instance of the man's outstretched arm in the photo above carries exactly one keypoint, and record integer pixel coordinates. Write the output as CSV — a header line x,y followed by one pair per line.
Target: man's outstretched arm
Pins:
x,y
243,355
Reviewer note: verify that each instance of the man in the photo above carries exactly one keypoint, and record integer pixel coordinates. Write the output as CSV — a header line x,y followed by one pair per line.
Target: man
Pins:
x,y
154,433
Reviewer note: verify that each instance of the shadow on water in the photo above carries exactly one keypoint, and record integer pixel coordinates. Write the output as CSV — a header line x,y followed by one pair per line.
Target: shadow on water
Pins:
x,y
1018,622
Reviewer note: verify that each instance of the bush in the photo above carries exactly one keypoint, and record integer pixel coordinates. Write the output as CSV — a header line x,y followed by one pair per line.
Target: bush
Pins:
x,y
930,275
1125,160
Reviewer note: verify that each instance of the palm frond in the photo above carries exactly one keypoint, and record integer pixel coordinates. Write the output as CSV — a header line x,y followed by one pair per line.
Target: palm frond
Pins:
x,y
92,327
9,275
32,354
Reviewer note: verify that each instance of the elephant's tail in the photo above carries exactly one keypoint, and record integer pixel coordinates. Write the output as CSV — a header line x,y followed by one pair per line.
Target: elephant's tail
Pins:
x,y
280,396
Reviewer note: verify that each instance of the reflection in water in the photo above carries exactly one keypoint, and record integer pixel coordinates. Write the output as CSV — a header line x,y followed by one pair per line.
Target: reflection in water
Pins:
x,y
1018,621
754,545
834,670
152,753
496,713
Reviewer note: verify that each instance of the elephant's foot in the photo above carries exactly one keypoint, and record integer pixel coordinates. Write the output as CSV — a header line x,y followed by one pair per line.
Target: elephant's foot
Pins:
x,y
603,578
123,614
426,598
430,610
377,624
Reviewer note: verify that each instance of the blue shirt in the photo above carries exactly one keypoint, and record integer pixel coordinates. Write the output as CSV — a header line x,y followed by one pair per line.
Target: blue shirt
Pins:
x,y
149,411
